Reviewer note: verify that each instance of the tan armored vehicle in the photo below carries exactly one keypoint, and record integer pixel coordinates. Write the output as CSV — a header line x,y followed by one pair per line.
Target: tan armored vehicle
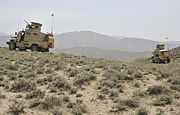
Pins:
x,y
32,38
161,55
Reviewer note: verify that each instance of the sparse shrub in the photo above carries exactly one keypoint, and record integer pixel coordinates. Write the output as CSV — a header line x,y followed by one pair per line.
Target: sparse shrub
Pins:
x,y
99,65
163,100
123,76
105,90
16,108
79,95
138,75
12,76
61,83
113,94
137,84
157,89
132,103
108,83
40,71
101,97
130,71
11,67
79,100
30,75
120,107
142,111
66,98
175,87
19,96
111,73
175,81
49,71
2,84
5,72
53,89
1,78
22,85
83,78
40,81
52,101
2,96
120,87
165,74
160,113
124,104
79,109
57,112
70,104
21,74
138,93
73,91
37,93
59,66
35,103
49,78
73,73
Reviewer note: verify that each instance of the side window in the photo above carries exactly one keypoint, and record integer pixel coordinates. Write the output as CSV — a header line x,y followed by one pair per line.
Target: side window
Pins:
x,y
35,34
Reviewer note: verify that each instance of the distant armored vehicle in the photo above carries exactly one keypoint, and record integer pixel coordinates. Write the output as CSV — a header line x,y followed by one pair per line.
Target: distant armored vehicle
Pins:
x,y
161,55
32,38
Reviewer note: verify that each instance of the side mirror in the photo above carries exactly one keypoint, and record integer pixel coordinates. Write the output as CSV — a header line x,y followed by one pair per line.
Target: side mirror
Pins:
x,y
15,33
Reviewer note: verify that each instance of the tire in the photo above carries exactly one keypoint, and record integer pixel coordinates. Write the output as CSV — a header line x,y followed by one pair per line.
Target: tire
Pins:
x,y
168,60
159,61
46,50
34,48
153,61
12,46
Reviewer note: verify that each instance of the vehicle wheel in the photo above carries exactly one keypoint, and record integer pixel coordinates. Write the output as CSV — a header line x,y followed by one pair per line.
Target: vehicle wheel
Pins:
x,y
34,48
168,60
12,46
159,61
46,50
153,61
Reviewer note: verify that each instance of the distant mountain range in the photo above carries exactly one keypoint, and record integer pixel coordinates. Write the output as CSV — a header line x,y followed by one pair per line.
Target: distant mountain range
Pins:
x,y
92,39
4,37
93,44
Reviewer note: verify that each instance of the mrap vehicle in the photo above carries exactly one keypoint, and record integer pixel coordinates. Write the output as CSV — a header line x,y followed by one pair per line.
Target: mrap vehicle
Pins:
x,y
161,55
32,38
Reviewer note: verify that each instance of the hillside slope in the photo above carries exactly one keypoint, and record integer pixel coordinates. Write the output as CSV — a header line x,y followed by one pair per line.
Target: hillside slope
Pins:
x,y
47,83
175,53
102,53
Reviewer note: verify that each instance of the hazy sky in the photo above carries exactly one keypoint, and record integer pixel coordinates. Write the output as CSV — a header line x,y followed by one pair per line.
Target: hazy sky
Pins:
x,y
149,19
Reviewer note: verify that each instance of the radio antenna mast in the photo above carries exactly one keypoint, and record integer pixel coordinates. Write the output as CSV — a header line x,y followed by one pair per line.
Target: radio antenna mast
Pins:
x,y
18,22
52,23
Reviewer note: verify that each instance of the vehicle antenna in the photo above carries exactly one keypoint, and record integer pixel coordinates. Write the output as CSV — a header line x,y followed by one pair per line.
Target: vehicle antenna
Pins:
x,y
18,22
52,23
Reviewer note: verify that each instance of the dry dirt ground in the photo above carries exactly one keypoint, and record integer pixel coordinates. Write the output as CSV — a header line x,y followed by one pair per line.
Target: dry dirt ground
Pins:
x,y
33,83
